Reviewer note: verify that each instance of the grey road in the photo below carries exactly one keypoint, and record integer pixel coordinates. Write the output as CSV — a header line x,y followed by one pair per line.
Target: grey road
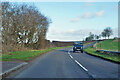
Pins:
x,y
64,63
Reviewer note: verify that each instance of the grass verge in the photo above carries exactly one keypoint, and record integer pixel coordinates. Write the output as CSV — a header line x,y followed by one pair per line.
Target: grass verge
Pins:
x,y
26,55
109,44
109,56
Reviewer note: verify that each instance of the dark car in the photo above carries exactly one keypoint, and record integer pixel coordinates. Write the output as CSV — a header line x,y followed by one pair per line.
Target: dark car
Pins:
x,y
78,46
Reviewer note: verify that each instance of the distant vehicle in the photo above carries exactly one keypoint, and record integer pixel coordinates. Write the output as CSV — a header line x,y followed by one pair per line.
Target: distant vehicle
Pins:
x,y
78,46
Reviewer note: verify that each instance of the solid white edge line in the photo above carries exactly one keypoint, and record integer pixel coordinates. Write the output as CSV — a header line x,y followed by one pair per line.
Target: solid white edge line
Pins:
x,y
71,56
13,68
81,65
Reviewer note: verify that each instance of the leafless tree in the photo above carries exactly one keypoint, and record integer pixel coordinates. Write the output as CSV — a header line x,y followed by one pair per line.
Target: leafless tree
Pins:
x,y
23,26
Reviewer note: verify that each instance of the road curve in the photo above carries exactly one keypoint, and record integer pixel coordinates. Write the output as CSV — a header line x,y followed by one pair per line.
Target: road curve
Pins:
x,y
59,64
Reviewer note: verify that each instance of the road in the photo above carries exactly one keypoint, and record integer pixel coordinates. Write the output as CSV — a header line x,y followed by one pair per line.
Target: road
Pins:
x,y
63,63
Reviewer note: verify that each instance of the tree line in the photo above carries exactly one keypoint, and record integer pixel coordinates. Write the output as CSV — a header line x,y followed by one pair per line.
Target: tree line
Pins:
x,y
107,32
23,27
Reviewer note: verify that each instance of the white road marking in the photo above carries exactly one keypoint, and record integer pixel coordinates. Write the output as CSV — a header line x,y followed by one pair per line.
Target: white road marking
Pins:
x,y
13,68
68,53
71,56
81,65
77,61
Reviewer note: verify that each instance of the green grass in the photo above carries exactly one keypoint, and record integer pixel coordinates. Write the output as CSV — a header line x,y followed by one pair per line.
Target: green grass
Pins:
x,y
108,45
25,55
109,56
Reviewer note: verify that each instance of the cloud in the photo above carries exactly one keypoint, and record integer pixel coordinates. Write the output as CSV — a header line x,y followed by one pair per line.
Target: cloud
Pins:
x,y
116,7
88,15
75,35
70,34
85,16
100,13
71,30
75,19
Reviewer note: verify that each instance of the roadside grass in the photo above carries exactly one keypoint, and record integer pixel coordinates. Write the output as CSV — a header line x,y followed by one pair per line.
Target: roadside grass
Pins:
x,y
25,55
110,56
28,55
108,45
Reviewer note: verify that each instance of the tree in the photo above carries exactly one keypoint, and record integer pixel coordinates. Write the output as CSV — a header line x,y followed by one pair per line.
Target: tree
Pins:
x,y
23,26
100,36
91,36
108,31
87,39
96,37
103,34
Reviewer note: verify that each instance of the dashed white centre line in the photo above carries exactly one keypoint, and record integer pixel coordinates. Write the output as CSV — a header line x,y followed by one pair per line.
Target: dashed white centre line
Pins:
x,y
81,65
71,56
68,53
77,62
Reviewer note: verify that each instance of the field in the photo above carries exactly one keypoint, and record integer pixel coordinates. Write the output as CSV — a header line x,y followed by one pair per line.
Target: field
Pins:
x,y
110,44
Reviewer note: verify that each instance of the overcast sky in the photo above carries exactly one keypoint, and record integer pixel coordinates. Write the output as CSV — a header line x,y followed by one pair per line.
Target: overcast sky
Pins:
x,y
73,21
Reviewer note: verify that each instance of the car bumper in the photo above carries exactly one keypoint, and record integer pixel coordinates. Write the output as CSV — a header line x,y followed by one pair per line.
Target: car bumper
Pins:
x,y
77,49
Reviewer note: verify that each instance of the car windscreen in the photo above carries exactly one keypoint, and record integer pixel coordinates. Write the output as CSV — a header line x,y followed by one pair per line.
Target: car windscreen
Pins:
x,y
78,44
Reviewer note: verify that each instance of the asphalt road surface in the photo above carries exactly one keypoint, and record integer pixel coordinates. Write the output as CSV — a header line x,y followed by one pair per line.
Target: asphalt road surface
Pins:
x,y
64,63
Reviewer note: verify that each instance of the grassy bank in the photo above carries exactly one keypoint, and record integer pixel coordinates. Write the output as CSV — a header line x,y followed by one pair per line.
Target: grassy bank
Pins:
x,y
26,55
109,56
110,44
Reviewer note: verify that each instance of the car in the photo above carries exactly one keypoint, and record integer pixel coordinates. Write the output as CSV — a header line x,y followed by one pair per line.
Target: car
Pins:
x,y
78,46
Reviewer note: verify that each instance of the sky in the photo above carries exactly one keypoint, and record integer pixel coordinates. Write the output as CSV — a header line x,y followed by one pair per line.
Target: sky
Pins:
x,y
73,21
60,0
